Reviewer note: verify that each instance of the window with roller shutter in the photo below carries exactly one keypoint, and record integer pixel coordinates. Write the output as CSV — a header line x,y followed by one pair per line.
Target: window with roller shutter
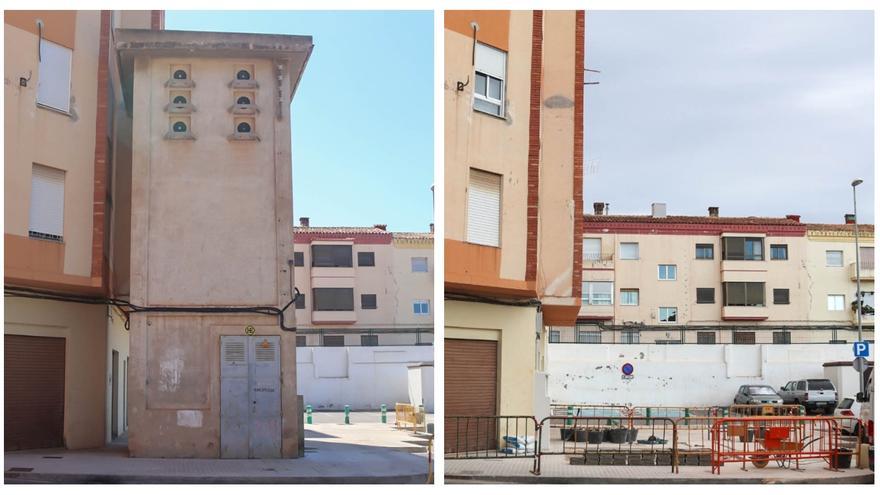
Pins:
x,y
484,208
47,203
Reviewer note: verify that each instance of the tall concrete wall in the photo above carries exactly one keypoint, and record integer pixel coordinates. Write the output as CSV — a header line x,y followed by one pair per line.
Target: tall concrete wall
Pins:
x,y
679,375
362,377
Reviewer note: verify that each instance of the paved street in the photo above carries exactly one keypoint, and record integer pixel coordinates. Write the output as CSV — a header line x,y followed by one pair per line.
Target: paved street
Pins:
x,y
364,452
556,469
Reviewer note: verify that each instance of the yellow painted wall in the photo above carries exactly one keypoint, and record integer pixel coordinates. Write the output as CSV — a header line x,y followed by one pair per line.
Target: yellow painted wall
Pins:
x,y
514,329
84,327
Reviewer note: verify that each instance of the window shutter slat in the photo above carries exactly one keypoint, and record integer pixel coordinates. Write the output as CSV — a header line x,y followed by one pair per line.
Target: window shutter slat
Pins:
x,y
47,201
484,208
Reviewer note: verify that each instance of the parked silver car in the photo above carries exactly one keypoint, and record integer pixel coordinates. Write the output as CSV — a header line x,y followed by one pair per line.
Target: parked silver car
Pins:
x,y
757,394
816,395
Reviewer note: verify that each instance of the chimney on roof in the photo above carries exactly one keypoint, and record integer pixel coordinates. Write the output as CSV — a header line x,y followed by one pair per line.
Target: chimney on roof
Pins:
x,y
713,211
599,208
658,210
380,226
796,218
303,221
849,219
431,225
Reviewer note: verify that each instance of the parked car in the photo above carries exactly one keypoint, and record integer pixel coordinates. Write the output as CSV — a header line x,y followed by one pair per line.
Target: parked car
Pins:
x,y
815,394
848,407
757,394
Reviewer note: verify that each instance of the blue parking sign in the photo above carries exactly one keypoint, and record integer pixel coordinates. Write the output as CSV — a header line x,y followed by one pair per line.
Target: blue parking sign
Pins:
x,y
860,349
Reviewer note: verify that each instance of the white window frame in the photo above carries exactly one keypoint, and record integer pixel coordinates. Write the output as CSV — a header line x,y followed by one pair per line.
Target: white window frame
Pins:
x,y
592,256
829,251
675,269
483,66
413,265
55,76
417,306
636,244
660,313
624,299
588,295
832,302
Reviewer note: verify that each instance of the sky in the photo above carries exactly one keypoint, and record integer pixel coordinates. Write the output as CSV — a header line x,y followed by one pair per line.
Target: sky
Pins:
x,y
363,116
758,113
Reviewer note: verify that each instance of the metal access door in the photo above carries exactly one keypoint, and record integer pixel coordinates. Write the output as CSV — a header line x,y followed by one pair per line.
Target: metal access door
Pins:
x,y
250,397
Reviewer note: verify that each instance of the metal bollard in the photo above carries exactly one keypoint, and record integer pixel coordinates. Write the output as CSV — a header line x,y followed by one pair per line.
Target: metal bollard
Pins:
x,y
569,411
347,411
308,414
384,411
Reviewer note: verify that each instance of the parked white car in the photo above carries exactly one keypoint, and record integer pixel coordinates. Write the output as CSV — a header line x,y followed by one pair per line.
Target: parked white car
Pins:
x,y
850,408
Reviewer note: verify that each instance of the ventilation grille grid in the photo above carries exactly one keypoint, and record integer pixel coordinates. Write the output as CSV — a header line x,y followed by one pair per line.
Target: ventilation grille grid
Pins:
x,y
265,351
234,352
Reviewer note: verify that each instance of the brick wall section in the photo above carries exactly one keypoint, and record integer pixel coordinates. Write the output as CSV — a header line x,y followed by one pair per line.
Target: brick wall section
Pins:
x,y
578,194
157,20
534,145
99,197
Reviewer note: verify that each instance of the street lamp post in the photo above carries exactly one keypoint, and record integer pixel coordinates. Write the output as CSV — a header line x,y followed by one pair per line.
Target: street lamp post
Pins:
x,y
858,284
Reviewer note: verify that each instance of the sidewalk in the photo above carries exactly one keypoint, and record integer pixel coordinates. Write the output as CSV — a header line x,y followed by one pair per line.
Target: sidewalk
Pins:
x,y
367,452
556,469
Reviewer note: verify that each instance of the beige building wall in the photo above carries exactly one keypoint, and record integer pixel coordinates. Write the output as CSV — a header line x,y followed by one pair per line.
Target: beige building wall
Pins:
x,y
84,329
692,273
825,280
28,131
210,228
476,140
392,280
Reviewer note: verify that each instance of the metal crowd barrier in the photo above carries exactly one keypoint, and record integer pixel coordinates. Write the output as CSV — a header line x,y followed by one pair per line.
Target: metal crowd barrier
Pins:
x,y
606,440
482,437
783,439
766,410
707,440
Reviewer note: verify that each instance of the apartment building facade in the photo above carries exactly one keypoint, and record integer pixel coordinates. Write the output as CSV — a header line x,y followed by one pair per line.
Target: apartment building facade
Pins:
x,y
67,139
363,286
514,171
718,280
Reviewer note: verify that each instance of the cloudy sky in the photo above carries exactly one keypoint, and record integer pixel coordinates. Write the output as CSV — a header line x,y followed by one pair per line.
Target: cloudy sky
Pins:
x,y
758,113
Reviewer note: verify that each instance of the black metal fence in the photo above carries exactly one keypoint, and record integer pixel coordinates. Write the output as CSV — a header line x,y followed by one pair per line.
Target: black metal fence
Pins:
x,y
744,335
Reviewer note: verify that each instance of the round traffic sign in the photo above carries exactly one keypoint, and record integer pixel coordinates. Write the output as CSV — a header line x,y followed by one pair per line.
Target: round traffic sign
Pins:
x,y
860,363
627,369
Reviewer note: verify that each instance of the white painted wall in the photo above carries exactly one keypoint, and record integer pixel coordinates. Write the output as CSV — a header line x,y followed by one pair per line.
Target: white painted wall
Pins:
x,y
362,377
679,375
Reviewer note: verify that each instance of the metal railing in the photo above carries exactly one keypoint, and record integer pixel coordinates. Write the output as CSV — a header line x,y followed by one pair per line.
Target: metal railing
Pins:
x,y
782,439
481,437
605,440
705,335
713,439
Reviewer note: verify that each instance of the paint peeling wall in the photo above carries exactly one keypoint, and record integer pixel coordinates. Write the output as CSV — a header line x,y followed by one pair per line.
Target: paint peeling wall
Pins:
x,y
679,375
362,377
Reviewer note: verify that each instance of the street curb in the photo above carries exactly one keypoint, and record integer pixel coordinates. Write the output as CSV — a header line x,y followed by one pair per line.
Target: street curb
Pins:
x,y
861,479
71,478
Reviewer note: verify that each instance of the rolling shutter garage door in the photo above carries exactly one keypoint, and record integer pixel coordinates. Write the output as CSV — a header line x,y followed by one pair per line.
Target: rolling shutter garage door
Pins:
x,y
484,208
470,389
33,400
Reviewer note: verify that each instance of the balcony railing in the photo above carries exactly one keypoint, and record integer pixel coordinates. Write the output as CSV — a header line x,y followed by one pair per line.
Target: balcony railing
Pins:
x,y
604,260
866,272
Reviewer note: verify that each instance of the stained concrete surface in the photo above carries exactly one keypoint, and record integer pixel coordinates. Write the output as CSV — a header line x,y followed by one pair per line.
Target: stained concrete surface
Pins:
x,y
556,469
363,452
